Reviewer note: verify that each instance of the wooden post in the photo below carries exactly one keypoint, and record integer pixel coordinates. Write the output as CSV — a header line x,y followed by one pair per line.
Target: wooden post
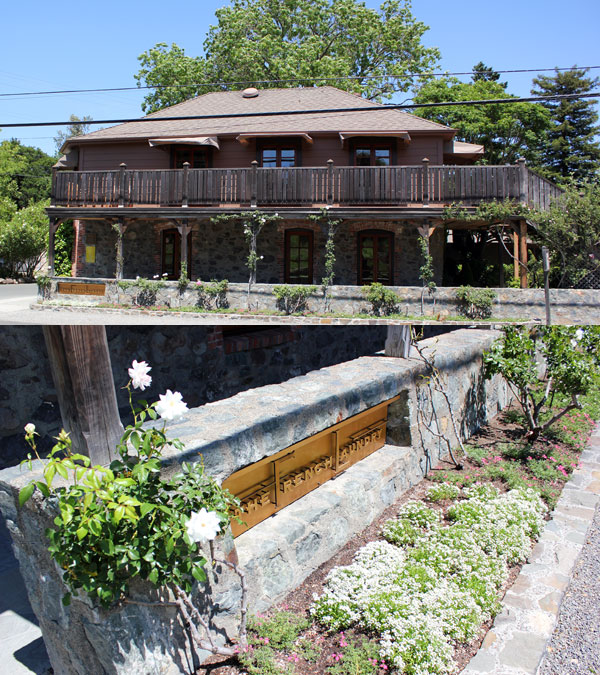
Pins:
x,y
54,222
253,183
329,182
82,374
185,190
425,181
523,253
184,229
398,341
516,266
523,192
546,266
122,168
120,252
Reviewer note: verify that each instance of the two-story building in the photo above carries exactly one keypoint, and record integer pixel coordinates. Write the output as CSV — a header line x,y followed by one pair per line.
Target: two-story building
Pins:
x,y
147,191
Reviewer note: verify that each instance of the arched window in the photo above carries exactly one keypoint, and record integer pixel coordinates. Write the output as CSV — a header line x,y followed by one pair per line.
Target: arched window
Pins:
x,y
298,256
375,257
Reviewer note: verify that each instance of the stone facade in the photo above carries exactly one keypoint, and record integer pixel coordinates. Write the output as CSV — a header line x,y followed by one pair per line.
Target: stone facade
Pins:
x,y
280,552
220,252
204,363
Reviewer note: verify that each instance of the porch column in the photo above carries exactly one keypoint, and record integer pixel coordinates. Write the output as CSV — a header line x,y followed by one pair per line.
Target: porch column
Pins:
x,y
54,223
121,228
184,229
523,253
82,374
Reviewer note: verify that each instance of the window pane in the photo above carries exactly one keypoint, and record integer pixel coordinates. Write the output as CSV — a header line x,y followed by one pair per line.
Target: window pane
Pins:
x,y
269,157
294,240
288,157
382,157
363,156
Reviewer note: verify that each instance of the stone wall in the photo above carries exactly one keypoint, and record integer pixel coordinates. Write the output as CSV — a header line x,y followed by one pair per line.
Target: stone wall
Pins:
x,y
204,363
281,551
568,305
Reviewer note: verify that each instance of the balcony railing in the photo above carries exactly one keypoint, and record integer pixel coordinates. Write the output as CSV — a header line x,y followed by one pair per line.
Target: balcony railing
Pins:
x,y
302,186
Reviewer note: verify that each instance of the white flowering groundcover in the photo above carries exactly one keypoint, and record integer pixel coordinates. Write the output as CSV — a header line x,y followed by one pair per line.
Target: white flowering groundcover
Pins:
x,y
433,582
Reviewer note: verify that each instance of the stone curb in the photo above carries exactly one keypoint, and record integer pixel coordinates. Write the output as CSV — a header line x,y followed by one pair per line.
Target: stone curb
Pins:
x,y
516,643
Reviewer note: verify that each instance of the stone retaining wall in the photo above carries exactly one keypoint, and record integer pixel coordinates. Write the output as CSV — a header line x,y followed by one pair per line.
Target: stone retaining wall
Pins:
x,y
568,305
280,552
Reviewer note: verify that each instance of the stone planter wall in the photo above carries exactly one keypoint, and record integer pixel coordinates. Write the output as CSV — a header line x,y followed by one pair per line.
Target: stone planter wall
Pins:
x,y
572,306
283,550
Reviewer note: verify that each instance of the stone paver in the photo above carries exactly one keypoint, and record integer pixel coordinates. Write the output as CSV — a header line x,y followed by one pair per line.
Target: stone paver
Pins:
x,y
531,606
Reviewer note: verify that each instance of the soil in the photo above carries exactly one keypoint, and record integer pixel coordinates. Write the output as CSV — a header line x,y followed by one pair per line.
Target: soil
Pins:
x,y
498,430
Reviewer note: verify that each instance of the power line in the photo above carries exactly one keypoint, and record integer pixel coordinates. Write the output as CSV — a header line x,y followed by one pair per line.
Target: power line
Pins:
x,y
292,79
279,113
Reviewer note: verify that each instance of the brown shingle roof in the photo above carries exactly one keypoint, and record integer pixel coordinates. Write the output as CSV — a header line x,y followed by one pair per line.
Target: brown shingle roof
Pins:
x,y
269,100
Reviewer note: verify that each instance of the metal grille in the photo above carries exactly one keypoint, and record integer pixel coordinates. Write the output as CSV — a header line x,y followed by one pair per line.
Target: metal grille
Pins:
x,y
590,280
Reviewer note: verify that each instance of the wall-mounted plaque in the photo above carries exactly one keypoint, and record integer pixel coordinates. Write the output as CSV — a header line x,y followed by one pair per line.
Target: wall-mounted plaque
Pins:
x,y
76,288
276,481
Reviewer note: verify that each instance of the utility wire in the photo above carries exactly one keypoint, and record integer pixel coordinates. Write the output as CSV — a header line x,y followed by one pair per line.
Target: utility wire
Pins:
x,y
278,113
292,79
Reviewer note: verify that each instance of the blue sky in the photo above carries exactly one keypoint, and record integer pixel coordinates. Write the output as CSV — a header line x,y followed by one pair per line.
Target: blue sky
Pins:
x,y
63,45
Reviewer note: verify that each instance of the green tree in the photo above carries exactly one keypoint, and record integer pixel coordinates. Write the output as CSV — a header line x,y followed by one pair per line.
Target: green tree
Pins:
x,y
25,173
307,39
487,74
507,131
570,228
571,148
24,240
78,127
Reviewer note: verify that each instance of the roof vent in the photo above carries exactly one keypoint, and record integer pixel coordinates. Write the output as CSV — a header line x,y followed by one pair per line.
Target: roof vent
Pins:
x,y
250,92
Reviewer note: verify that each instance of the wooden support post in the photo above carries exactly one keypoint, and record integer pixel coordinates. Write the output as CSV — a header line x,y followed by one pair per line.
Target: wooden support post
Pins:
x,y
523,253
397,342
425,181
82,374
254,184
184,229
185,190
122,168
120,252
54,222
516,266
329,182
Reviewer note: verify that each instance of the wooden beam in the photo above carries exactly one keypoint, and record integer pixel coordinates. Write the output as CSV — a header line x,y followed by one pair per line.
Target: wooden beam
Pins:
x,y
398,341
82,374
516,254
523,253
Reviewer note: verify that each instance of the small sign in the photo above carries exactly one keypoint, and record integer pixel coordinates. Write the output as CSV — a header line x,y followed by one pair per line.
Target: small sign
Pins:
x,y
75,288
267,486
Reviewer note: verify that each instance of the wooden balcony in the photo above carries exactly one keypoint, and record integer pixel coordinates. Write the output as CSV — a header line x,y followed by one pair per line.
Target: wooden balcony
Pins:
x,y
343,186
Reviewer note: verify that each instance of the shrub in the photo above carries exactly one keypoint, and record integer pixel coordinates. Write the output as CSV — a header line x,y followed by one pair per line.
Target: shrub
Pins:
x,y
383,299
293,299
475,303
442,491
24,240
212,294
63,249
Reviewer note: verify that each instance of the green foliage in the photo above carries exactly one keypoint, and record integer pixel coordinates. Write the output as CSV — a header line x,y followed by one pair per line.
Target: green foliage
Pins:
x,y
293,299
212,294
24,240
572,148
261,661
383,299
356,658
306,40
282,628
63,249
25,173
147,290
324,218
442,492
126,521
507,132
570,228
475,303
426,272
184,281
571,365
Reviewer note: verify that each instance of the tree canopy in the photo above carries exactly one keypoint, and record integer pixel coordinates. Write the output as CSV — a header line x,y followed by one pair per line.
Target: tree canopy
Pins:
x,y
308,40
507,131
25,173
571,148
78,127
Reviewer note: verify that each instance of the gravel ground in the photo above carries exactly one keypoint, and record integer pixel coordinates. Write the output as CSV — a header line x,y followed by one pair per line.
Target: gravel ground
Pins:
x,y
574,648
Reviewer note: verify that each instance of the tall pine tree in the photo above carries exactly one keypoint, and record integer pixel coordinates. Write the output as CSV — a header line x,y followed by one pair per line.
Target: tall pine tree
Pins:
x,y
571,148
